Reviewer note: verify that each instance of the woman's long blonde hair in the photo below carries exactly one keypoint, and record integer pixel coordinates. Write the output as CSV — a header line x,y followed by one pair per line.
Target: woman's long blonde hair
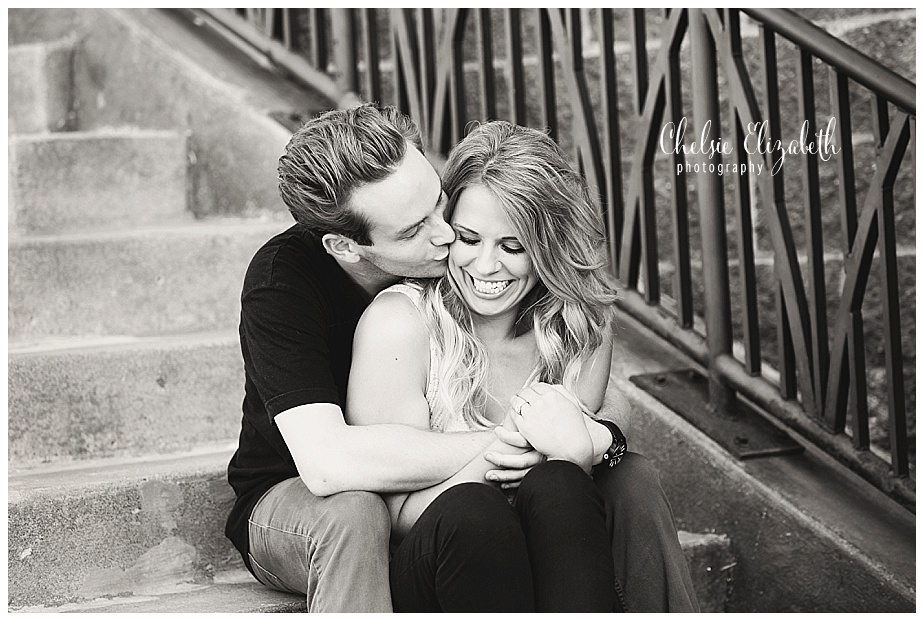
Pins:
x,y
549,206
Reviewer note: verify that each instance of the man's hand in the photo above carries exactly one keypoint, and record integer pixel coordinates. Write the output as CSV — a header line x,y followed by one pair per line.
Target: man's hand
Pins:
x,y
515,457
551,420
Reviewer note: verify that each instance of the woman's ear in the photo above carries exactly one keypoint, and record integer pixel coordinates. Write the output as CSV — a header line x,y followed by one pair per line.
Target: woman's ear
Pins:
x,y
340,247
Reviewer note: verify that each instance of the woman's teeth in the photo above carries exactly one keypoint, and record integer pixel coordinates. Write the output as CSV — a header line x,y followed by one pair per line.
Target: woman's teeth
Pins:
x,y
487,287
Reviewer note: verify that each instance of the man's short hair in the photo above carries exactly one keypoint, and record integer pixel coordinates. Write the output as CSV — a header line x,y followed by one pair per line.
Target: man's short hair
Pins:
x,y
335,153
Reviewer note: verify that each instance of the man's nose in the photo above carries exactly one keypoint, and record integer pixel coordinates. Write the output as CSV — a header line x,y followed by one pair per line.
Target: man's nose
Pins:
x,y
445,234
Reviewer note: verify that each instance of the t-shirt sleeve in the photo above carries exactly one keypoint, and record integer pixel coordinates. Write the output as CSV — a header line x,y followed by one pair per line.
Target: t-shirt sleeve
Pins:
x,y
284,335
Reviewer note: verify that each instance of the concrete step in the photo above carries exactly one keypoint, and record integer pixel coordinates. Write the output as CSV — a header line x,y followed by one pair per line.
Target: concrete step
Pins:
x,y
229,591
145,526
80,181
236,590
72,401
146,281
41,83
151,68
807,534
146,535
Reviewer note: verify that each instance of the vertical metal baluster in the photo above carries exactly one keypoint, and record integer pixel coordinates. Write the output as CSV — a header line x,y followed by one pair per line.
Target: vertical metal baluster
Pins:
x,y
426,70
611,141
855,354
645,221
486,60
287,28
344,49
516,90
373,71
683,280
712,208
815,281
746,267
639,59
771,106
457,79
270,22
572,19
398,78
319,22
898,428
546,73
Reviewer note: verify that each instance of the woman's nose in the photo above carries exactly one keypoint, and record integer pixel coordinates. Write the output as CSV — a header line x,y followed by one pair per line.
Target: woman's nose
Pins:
x,y
487,262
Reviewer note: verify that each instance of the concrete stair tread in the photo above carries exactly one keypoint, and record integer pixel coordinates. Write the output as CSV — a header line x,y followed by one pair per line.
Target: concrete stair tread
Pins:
x,y
117,342
129,131
71,181
182,226
185,274
83,477
94,397
230,591
113,527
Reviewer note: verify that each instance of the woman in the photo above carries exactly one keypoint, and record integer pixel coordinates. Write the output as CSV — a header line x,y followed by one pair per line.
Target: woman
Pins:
x,y
516,334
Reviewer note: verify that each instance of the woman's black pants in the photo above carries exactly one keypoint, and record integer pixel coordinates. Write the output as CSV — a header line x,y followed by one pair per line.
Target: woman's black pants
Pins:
x,y
471,551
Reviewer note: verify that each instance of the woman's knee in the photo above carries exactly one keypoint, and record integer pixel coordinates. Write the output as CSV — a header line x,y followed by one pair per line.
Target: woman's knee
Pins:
x,y
477,512
555,481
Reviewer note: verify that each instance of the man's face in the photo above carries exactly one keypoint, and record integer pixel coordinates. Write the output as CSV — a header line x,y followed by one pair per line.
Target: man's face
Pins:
x,y
410,237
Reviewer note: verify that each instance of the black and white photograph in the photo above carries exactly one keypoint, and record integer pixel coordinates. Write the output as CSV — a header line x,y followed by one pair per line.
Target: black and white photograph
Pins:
x,y
472,310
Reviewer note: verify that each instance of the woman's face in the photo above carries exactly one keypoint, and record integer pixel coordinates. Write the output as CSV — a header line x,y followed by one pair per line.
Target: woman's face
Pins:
x,y
490,265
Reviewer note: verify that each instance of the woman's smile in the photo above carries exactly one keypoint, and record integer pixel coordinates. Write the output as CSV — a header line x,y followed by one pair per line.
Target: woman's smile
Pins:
x,y
488,261
491,288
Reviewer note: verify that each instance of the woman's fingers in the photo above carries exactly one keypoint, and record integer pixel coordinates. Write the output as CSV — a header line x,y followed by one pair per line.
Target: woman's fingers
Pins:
x,y
506,461
517,403
507,478
513,438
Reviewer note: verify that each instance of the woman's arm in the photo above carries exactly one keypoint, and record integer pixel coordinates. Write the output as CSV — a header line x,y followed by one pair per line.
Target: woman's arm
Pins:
x,y
388,376
595,375
473,472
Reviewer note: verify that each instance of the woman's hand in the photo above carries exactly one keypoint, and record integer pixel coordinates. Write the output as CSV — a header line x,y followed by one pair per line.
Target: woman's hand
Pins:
x,y
551,420
512,454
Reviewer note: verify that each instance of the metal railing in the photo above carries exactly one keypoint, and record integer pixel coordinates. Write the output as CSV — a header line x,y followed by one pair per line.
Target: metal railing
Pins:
x,y
791,262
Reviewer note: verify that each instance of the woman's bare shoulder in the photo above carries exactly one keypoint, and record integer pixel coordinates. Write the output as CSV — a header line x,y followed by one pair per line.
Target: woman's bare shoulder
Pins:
x,y
393,317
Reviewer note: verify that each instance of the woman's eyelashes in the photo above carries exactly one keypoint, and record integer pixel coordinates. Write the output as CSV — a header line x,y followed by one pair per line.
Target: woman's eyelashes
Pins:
x,y
508,247
468,241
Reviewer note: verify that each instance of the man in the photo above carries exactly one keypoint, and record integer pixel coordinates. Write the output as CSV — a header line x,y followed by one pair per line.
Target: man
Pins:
x,y
369,210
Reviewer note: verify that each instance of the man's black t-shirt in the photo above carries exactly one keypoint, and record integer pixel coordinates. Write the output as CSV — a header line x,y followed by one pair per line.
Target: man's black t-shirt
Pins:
x,y
299,310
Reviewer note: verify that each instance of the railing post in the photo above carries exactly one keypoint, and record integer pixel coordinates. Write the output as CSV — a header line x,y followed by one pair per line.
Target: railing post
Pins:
x,y
344,49
711,207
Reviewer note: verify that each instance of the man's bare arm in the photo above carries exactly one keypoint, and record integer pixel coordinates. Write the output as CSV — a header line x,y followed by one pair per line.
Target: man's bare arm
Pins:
x,y
332,456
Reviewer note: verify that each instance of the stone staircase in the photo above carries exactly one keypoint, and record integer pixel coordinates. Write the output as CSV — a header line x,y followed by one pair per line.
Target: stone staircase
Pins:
x,y
125,377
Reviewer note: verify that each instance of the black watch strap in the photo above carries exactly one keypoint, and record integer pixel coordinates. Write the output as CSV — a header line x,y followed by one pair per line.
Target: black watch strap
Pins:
x,y
618,448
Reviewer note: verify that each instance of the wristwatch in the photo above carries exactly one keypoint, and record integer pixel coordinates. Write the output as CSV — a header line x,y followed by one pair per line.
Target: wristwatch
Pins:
x,y
618,448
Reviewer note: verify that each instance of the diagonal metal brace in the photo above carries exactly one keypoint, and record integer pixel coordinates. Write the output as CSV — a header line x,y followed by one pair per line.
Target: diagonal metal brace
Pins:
x,y
737,427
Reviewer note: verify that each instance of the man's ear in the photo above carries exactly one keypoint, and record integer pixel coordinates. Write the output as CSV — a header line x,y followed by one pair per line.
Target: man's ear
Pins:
x,y
340,247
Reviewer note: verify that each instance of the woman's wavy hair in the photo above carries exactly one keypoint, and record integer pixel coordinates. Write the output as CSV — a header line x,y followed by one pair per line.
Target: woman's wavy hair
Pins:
x,y
550,207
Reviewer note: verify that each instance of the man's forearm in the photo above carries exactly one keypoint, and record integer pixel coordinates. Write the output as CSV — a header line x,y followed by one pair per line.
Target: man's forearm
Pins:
x,y
332,456
472,472
405,459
